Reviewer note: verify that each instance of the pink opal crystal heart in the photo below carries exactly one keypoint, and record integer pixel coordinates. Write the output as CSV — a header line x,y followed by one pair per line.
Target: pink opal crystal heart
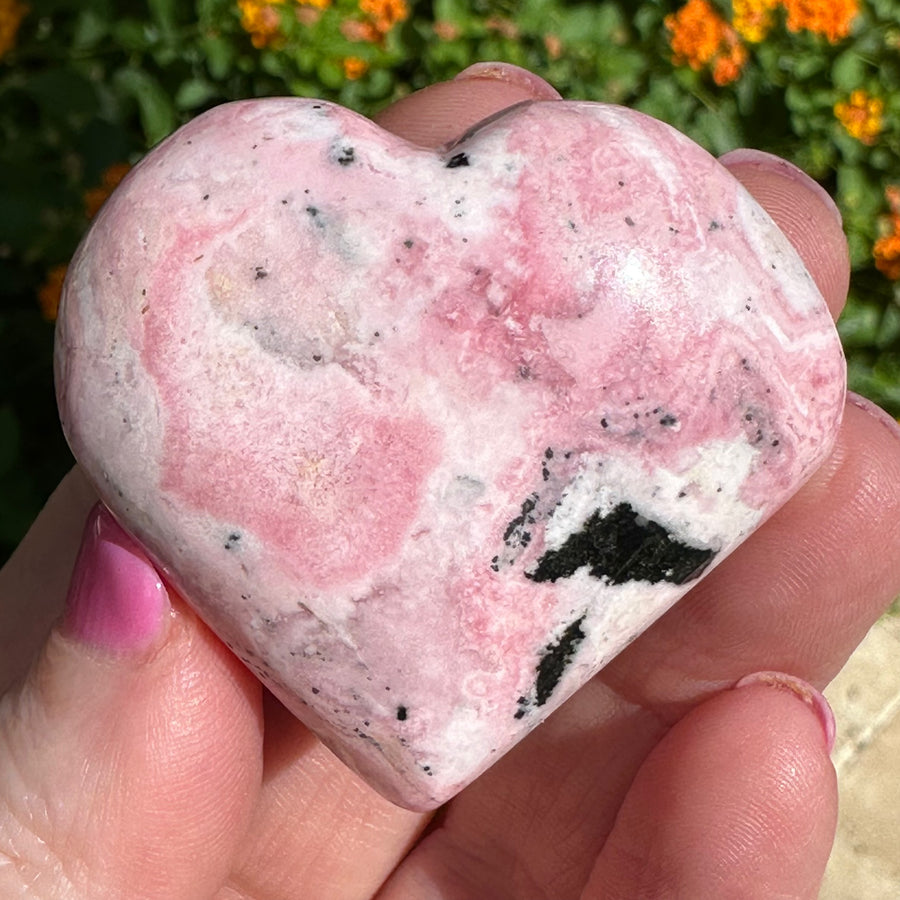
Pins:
x,y
428,437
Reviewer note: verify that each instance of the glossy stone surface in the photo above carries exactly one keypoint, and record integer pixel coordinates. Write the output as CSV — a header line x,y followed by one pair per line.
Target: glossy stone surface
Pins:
x,y
428,437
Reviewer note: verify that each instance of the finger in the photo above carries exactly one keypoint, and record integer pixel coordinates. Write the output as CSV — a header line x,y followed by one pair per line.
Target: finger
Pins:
x,y
130,754
738,800
442,112
33,582
318,831
798,595
805,212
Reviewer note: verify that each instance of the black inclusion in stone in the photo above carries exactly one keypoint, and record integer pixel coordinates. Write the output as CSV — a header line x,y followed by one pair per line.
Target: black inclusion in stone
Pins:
x,y
401,713
554,660
346,156
516,534
624,546
460,159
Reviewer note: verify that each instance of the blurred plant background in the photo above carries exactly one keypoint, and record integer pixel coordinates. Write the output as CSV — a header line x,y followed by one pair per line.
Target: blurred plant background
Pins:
x,y
87,86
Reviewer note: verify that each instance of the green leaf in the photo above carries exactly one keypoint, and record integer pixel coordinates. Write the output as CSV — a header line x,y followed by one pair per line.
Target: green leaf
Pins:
x,y
156,109
807,65
455,11
90,29
589,22
859,323
220,55
718,130
331,73
194,93
889,330
164,13
848,71
133,35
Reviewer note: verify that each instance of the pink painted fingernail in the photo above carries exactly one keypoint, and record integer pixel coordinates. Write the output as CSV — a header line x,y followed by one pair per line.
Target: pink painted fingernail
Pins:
x,y
813,698
514,75
116,601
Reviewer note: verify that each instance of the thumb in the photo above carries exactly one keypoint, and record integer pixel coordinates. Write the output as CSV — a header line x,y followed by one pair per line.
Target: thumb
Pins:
x,y
130,753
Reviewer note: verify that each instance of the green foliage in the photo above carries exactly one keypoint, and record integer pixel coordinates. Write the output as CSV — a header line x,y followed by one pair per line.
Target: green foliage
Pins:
x,y
90,83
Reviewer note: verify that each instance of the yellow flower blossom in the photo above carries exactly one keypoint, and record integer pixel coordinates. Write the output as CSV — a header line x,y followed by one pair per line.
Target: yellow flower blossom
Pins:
x,y
861,116
355,68
753,19
831,18
11,14
260,19
701,38
887,248
50,292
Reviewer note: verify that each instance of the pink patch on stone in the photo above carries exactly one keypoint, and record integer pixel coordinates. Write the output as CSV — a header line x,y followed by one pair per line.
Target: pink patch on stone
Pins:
x,y
428,437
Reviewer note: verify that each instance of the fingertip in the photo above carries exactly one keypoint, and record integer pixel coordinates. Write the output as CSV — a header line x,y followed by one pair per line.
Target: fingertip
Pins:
x,y
440,113
806,214
739,799
533,85
804,692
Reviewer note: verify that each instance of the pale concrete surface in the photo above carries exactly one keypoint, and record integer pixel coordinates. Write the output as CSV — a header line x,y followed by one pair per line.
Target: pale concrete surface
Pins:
x,y
865,863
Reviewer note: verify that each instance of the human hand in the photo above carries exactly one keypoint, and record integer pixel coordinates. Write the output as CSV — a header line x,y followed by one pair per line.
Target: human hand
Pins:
x,y
138,758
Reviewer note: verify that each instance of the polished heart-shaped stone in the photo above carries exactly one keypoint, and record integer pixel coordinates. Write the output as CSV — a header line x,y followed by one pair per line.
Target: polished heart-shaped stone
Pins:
x,y
428,437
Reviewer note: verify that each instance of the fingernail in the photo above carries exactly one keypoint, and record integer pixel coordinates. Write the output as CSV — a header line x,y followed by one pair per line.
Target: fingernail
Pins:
x,y
876,412
116,601
814,699
748,163
514,75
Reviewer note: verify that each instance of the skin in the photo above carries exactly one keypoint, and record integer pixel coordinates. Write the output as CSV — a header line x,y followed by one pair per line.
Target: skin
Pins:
x,y
169,773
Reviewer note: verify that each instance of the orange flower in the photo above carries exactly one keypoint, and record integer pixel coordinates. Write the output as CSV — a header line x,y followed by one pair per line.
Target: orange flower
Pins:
x,y
261,21
861,116
355,68
11,14
700,37
50,292
95,197
887,248
830,18
752,19
384,14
